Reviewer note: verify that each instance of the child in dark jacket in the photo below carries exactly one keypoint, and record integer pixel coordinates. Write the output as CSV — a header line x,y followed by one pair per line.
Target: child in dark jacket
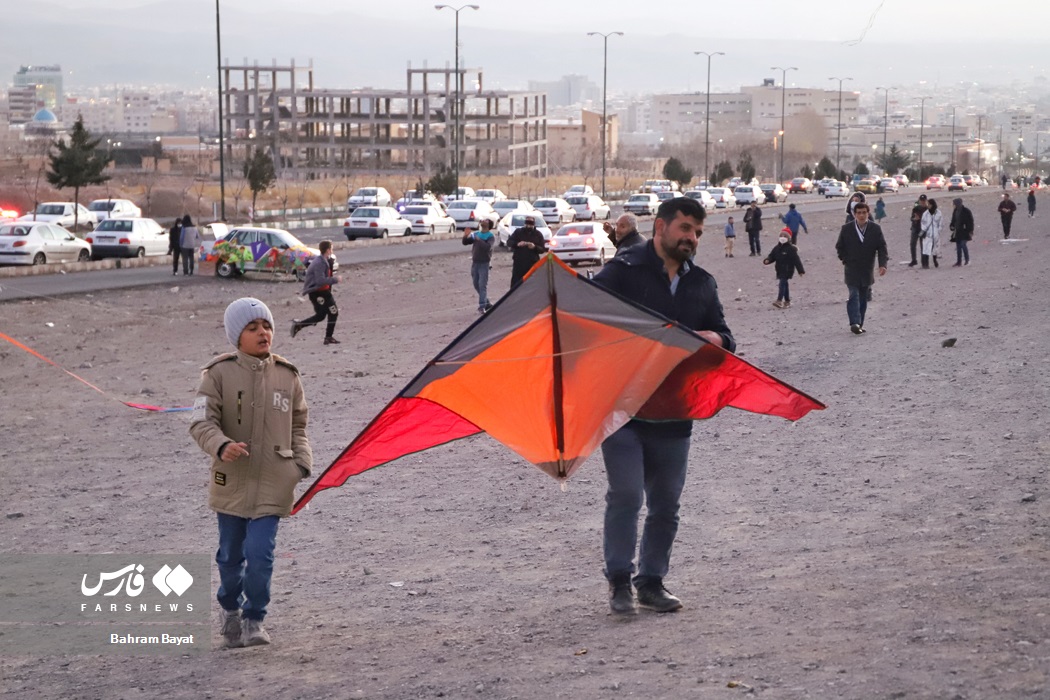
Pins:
x,y
785,256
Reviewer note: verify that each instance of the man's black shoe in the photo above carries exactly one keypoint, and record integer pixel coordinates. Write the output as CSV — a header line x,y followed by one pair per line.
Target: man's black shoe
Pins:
x,y
855,327
653,596
913,263
331,341
621,597
295,328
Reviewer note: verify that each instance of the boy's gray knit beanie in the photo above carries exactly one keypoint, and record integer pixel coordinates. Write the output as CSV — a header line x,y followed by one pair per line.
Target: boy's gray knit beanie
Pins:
x,y
242,312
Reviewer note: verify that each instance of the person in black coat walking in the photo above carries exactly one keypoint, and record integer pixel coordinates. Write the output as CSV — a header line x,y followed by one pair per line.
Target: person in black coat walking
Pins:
x,y
785,256
860,241
526,245
175,244
962,231
753,226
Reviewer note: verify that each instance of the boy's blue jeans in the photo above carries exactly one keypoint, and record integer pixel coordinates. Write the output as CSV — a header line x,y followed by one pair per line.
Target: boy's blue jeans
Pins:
x,y
641,467
783,292
245,559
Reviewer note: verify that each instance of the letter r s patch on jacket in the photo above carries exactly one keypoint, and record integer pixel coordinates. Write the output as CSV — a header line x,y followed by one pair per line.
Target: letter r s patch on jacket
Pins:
x,y
281,401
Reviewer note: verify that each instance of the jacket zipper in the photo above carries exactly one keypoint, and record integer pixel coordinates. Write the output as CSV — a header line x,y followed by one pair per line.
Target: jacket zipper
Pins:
x,y
239,394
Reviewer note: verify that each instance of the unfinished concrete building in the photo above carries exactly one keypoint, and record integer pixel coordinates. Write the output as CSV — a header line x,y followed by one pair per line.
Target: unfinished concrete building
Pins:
x,y
314,133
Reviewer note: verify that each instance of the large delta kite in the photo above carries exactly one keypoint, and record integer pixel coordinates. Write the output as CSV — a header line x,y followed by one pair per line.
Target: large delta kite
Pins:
x,y
558,365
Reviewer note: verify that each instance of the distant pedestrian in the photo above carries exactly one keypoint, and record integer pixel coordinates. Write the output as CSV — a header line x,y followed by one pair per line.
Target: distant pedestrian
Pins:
x,y
880,210
792,219
916,228
624,234
962,231
1003,179
1006,213
730,233
526,246
189,241
753,226
175,244
481,243
932,224
317,286
1031,202
860,243
785,256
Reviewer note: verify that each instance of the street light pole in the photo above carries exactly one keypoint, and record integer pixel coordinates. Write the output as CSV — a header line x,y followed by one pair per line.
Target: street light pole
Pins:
x,y
605,85
838,147
707,112
922,122
458,94
783,110
885,120
953,140
222,145
978,144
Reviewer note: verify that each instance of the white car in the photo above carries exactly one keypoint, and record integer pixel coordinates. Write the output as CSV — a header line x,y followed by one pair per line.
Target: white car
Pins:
x,y
578,191
724,197
512,205
668,194
264,250
368,197
704,197
469,213
114,209
515,220
37,243
210,235
375,222
657,186
489,195
128,238
836,189
555,210
642,204
745,194
888,184
63,214
774,192
582,242
412,197
461,194
428,219
589,207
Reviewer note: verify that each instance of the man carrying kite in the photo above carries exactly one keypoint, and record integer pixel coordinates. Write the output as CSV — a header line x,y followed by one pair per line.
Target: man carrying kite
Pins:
x,y
647,460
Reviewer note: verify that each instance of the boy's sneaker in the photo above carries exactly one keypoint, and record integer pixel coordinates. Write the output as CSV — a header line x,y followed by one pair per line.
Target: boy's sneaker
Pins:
x,y
230,621
621,597
295,328
331,341
786,304
254,633
654,596
779,304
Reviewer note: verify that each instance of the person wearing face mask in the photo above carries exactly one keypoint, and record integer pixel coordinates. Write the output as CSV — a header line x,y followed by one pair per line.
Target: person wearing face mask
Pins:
x,y
785,256
860,242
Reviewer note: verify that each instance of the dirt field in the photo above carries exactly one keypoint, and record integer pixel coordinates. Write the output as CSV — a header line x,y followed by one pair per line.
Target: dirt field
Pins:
x,y
892,546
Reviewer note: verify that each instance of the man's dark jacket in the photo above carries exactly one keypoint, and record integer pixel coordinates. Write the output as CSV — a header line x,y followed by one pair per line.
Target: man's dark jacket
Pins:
x,y
858,257
525,258
962,224
753,220
629,241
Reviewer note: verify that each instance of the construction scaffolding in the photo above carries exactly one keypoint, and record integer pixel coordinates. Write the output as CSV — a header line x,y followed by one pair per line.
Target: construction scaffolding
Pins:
x,y
315,133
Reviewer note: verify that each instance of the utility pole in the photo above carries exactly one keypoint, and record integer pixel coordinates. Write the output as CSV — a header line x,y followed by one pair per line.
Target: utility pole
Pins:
x,y
707,113
783,110
458,94
922,121
978,144
838,148
605,86
222,144
953,141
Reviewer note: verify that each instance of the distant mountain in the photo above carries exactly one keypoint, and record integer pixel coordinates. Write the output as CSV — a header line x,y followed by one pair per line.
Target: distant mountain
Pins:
x,y
173,42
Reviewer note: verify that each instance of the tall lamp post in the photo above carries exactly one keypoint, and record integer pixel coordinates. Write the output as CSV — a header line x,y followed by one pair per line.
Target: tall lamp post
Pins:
x,y
707,110
978,144
783,110
885,119
922,123
953,140
838,147
605,85
458,93
222,145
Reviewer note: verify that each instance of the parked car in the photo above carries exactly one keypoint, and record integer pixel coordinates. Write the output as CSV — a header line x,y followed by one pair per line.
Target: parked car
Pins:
x,y
368,197
888,184
702,185
7,215
428,220
855,180
867,185
801,185
555,210
37,243
642,204
656,186
512,205
582,242
114,208
823,183
589,207
837,188
745,194
669,194
935,182
491,196
375,222
724,197
704,197
210,235
972,180
902,179
468,213
578,191
957,183
774,192
414,197
460,194
255,249
63,214
734,183
128,238
515,220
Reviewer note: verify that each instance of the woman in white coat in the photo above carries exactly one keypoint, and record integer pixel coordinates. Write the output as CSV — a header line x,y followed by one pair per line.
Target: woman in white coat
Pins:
x,y
930,232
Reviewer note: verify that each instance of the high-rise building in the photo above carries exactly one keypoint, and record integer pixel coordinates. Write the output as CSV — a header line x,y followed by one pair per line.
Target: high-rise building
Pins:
x,y
35,88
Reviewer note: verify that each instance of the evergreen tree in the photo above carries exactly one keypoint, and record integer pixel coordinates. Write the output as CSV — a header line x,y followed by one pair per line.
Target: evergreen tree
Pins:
x,y
746,166
806,172
442,182
77,164
825,168
893,161
260,173
723,171
674,170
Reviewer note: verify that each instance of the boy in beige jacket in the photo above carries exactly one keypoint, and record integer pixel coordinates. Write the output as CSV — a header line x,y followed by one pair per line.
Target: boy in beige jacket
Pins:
x,y
250,418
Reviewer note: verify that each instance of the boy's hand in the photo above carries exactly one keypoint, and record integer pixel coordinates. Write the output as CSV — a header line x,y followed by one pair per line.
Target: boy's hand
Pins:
x,y
234,450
